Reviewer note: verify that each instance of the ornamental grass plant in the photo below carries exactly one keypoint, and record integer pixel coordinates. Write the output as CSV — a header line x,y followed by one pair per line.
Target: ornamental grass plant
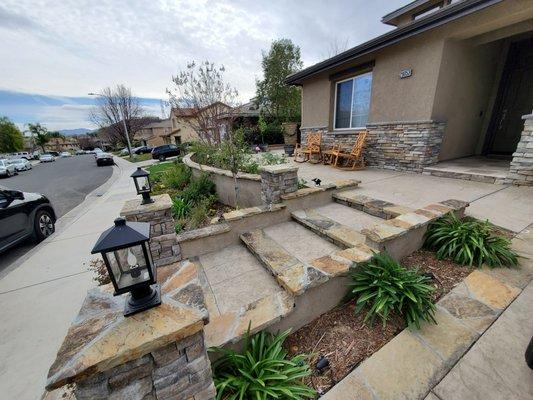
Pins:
x,y
261,371
470,242
385,288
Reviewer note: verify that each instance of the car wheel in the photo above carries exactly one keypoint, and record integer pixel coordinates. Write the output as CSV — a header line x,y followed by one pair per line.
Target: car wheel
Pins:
x,y
162,158
44,225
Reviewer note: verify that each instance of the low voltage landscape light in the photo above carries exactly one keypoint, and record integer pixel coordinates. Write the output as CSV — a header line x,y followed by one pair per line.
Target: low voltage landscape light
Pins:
x,y
126,254
142,184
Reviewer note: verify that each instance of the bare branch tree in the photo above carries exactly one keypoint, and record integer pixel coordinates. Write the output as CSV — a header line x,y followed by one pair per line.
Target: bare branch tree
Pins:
x,y
335,46
115,104
200,91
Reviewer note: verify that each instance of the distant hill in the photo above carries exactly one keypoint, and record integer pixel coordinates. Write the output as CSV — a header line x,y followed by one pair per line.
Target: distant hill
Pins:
x,y
72,132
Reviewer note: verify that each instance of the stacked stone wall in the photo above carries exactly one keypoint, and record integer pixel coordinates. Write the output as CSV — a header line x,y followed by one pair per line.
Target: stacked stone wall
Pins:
x,y
277,180
521,168
178,371
402,146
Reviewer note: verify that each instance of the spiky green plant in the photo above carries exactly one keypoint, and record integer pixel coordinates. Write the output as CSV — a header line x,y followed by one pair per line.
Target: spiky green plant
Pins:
x,y
468,241
180,208
387,287
261,371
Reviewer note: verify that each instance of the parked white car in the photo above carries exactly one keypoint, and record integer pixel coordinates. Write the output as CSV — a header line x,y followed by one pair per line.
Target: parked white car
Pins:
x,y
80,152
7,169
21,164
46,158
65,154
22,154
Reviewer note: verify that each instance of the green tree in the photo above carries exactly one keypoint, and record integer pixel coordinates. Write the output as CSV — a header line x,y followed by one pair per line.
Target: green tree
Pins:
x,y
278,100
41,135
11,138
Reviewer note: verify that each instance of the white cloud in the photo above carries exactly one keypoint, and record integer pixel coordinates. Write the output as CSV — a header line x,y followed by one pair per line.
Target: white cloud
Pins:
x,y
73,47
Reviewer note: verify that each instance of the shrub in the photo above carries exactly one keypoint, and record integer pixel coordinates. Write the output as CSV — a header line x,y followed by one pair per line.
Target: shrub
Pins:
x,y
200,211
176,177
198,189
99,269
468,242
387,287
180,208
262,371
272,159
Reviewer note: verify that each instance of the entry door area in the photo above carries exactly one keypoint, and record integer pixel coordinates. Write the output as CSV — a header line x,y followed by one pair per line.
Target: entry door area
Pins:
x,y
515,99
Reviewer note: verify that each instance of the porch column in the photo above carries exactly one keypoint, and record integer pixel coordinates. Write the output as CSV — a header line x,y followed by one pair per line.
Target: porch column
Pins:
x,y
521,168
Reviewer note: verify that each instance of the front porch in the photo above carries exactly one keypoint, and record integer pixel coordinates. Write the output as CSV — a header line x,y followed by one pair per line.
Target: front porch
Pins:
x,y
476,168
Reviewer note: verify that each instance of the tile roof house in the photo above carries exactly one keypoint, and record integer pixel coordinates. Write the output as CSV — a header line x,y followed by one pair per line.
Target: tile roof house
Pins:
x,y
452,79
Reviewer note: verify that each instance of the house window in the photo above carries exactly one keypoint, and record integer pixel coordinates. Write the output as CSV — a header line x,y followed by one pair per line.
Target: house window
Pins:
x,y
352,101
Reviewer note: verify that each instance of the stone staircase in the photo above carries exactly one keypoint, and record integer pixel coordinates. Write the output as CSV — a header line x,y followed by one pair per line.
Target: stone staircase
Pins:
x,y
288,273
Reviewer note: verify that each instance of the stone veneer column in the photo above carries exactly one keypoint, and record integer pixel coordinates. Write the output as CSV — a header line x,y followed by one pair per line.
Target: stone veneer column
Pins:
x,y
277,180
157,354
163,243
521,168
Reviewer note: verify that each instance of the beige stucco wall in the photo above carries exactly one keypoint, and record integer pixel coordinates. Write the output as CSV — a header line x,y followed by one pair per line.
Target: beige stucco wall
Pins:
x,y
450,62
184,130
463,92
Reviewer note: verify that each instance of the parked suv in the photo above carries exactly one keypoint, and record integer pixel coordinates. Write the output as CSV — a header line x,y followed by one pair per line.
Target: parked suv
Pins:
x,y
24,215
167,150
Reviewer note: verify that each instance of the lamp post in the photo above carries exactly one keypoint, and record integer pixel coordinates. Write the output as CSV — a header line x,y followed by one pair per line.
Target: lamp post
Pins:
x,y
126,254
141,178
121,114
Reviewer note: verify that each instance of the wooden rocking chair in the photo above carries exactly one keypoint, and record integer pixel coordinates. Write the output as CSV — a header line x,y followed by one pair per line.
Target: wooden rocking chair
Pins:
x,y
313,147
354,157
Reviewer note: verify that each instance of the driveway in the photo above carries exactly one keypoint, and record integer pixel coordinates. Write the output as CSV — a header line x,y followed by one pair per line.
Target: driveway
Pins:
x,y
66,182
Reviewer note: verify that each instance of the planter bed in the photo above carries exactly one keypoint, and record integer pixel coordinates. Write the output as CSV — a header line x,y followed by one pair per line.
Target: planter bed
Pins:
x,y
343,337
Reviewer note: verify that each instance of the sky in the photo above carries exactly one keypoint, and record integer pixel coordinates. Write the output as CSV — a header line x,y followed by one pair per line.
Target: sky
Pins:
x,y
55,52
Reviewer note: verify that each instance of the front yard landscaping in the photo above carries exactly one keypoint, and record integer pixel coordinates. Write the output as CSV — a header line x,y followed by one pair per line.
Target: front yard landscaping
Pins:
x,y
385,292
194,200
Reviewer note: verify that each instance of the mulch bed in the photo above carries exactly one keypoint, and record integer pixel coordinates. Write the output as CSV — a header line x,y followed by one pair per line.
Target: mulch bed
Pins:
x,y
343,337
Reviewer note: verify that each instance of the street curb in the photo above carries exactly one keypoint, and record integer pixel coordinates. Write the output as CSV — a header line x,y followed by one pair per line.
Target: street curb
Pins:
x,y
73,215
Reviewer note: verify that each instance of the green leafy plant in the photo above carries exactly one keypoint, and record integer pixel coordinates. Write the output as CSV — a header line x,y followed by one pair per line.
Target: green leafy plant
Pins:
x,y
262,371
198,189
180,208
176,177
200,211
302,183
468,241
272,159
387,287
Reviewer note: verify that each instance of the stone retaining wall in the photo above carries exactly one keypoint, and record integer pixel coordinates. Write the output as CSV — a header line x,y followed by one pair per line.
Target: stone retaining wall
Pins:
x,y
403,146
277,180
164,247
180,370
521,168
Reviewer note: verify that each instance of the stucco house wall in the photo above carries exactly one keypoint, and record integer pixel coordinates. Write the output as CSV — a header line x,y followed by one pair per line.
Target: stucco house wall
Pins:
x,y
455,71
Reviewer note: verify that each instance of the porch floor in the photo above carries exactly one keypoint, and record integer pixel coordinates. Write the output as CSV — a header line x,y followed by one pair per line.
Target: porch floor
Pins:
x,y
480,169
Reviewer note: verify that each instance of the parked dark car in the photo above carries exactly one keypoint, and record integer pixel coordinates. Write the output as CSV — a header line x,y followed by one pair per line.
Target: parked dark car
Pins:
x,y
24,215
104,159
167,150
143,150
54,153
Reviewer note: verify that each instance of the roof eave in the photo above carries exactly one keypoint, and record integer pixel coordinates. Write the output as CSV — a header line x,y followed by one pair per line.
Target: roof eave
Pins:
x,y
416,27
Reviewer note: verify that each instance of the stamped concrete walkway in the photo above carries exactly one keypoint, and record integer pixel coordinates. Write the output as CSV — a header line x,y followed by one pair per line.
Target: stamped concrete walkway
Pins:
x,y
475,352
510,207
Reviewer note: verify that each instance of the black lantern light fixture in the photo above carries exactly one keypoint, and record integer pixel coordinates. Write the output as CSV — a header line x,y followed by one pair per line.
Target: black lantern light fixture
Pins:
x,y
126,253
142,184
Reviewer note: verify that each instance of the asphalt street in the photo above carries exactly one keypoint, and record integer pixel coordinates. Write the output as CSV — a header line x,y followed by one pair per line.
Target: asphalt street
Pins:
x,y
66,182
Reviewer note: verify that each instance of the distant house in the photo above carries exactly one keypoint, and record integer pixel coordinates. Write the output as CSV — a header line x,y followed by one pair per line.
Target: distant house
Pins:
x,y
155,133
453,79
67,143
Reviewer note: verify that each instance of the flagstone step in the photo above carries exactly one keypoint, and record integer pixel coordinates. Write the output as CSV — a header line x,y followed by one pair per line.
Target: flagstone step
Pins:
x,y
379,208
238,292
339,234
292,274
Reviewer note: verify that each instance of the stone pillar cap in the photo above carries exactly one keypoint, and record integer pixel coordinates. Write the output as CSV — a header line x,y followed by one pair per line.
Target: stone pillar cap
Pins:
x,y
279,168
101,338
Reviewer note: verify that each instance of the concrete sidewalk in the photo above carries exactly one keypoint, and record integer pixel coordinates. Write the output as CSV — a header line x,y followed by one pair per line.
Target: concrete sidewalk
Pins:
x,y
39,298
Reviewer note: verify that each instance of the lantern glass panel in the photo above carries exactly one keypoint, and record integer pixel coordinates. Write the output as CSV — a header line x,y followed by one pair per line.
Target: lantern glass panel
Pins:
x,y
143,183
129,266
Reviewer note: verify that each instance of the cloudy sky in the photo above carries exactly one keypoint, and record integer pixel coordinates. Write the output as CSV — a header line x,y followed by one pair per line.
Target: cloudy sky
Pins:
x,y
54,52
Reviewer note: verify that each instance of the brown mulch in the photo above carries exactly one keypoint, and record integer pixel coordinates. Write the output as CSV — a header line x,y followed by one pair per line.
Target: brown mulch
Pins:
x,y
345,340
